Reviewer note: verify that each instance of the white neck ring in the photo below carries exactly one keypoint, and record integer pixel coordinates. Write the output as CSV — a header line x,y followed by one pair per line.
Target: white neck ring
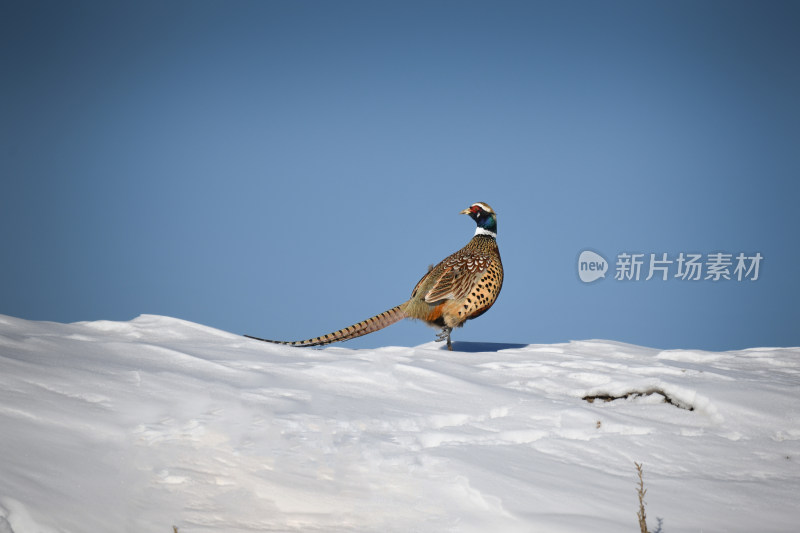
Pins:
x,y
483,231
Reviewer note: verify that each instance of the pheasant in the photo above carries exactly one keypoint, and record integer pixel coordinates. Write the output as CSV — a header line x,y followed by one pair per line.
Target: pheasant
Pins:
x,y
462,287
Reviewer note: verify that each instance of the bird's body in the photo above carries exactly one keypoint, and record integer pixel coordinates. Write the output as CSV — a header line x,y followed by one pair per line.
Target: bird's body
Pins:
x,y
461,287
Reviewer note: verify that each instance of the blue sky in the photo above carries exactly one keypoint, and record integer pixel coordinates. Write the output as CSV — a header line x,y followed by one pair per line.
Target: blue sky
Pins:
x,y
286,168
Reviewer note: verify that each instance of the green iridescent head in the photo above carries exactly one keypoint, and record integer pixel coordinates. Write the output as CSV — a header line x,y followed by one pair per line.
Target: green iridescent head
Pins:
x,y
484,216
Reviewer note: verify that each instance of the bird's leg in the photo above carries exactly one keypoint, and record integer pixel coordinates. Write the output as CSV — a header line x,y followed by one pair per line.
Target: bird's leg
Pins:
x,y
444,335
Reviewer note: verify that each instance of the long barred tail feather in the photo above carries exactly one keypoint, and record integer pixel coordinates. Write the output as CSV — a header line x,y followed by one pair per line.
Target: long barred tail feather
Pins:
x,y
375,323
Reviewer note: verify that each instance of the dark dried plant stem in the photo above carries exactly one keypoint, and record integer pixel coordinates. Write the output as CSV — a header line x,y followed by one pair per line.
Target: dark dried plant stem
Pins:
x,y
641,491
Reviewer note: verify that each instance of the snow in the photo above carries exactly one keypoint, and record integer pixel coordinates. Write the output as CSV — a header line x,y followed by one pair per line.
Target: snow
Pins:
x,y
142,425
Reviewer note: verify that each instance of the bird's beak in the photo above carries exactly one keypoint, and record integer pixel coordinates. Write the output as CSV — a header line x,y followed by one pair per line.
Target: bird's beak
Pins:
x,y
465,211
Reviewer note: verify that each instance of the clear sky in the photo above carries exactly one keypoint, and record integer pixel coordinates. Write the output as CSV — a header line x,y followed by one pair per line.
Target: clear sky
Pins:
x,y
287,168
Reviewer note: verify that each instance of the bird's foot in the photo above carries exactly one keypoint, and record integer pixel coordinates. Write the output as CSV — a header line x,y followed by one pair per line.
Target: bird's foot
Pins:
x,y
444,335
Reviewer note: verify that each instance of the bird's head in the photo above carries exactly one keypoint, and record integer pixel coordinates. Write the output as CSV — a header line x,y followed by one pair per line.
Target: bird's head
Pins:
x,y
484,216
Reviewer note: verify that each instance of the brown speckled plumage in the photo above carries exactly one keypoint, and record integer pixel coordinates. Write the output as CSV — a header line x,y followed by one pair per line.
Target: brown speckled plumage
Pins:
x,y
461,287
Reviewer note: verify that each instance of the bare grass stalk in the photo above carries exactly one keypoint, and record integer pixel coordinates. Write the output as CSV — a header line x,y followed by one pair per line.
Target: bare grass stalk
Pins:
x,y
641,491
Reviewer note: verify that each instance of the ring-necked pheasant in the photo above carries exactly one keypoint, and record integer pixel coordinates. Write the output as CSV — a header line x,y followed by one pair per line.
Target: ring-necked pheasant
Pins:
x,y
462,287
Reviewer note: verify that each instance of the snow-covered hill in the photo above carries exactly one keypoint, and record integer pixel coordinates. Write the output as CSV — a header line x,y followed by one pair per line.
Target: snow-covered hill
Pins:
x,y
138,426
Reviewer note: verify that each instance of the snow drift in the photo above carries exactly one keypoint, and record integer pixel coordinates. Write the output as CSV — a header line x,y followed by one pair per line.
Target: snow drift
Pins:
x,y
142,425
